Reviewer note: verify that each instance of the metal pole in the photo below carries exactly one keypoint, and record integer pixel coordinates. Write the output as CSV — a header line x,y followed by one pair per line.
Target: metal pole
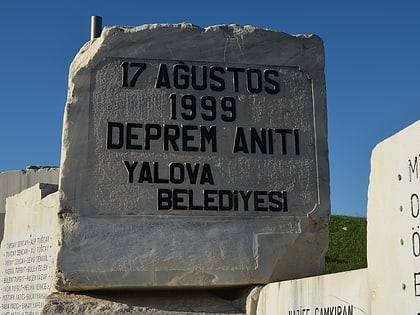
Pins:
x,y
95,27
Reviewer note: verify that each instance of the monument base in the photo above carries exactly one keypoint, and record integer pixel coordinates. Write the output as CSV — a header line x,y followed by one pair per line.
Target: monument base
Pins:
x,y
153,302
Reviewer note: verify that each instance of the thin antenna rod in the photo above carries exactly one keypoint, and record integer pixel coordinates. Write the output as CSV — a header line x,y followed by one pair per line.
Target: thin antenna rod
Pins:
x,y
95,27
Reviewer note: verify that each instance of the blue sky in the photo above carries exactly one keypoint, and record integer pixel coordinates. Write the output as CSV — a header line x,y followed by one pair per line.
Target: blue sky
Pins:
x,y
372,70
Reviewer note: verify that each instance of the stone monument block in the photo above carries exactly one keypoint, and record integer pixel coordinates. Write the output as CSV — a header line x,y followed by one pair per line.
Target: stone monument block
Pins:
x,y
193,158
394,224
28,250
13,182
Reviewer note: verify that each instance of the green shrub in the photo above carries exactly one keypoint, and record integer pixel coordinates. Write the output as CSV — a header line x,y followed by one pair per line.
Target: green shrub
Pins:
x,y
347,247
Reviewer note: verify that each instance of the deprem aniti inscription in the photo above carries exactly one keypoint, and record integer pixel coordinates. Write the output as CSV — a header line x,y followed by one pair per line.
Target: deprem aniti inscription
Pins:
x,y
191,137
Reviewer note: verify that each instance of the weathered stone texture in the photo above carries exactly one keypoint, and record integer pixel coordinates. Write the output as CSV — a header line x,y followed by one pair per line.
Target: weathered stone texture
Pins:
x,y
140,303
114,235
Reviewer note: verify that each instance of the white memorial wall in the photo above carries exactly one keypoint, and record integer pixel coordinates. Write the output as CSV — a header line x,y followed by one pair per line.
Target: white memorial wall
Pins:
x,y
394,224
391,283
345,293
28,250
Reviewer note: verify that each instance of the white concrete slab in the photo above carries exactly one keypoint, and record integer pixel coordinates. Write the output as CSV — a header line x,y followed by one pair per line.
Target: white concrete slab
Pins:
x,y
393,224
345,293
13,182
28,250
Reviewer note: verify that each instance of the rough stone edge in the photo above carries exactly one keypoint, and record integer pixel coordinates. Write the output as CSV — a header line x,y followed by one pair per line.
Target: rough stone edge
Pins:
x,y
92,52
234,29
306,43
140,302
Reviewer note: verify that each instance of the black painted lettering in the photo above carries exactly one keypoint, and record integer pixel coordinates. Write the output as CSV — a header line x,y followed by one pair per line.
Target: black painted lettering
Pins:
x,y
219,83
270,141
208,103
188,102
131,136
171,134
245,195
173,98
181,76
235,200
276,201
235,77
259,201
413,168
164,199
188,138
417,284
285,205
145,173
115,135
130,169
262,141
153,132
191,205
258,139
415,239
192,172
415,205
225,200
178,199
136,136
297,148
228,105
140,67
206,175
209,199
162,79
254,81
156,178
274,86
176,173
240,144
208,136
283,133
202,85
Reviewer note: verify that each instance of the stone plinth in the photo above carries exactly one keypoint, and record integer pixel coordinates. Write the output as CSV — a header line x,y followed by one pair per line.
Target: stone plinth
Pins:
x,y
193,158
144,303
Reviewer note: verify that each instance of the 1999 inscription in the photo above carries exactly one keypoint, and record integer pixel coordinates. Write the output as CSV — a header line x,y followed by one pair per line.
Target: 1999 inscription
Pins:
x,y
193,137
